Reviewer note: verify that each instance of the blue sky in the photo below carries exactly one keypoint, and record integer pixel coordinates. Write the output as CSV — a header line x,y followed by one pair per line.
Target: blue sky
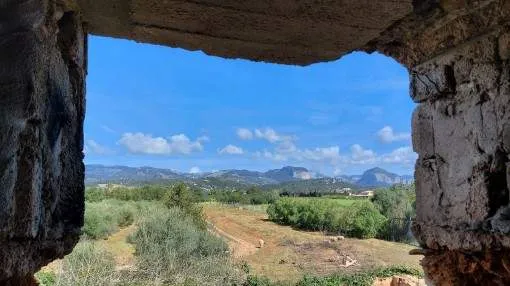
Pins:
x,y
157,106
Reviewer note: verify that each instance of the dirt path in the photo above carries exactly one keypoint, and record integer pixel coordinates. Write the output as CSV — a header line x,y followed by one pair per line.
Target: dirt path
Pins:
x,y
116,244
122,250
238,247
289,254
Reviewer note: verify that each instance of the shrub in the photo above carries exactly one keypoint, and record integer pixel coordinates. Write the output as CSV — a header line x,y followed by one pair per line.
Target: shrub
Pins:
x,y
258,281
180,196
171,249
103,218
253,196
46,278
94,195
99,222
396,202
361,219
87,265
364,220
145,193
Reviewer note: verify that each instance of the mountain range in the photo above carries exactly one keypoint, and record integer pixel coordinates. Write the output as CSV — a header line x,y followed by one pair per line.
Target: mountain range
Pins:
x,y
286,177
377,177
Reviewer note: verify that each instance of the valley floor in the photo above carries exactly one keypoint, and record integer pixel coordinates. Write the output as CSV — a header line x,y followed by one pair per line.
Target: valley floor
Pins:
x,y
289,254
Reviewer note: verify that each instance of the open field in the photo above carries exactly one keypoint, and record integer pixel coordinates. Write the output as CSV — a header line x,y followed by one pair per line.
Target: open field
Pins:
x,y
289,254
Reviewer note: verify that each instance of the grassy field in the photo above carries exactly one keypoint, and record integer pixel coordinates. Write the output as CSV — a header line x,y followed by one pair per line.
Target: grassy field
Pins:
x,y
288,254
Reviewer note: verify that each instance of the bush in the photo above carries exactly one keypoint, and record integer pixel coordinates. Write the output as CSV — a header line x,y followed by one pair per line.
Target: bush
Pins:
x,y
171,249
258,281
46,278
145,193
364,220
253,196
181,197
87,265
105,217
94,195
361,219
396,202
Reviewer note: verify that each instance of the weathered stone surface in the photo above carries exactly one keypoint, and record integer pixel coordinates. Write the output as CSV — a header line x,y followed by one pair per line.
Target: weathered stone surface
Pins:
x,y
461,133
476,268
284,31
42,70
439,27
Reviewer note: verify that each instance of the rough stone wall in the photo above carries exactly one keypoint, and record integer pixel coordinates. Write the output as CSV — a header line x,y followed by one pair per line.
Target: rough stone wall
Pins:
x,y
42,71
457,53
461,131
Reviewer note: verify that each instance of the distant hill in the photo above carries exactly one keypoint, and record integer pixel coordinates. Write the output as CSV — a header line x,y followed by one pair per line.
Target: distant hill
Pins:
x,y
287,177
96,174
285,174
378,177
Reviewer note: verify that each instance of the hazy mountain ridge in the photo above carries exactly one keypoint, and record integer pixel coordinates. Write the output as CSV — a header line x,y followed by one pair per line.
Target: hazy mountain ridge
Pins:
x,y
378,177
288,176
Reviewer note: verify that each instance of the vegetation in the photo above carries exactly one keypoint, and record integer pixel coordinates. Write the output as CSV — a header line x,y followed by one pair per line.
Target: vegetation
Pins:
x,y
87,265
181,197
253,196
171,249
396,202
173,246
319,187
105,217
365,278
352,218
144,193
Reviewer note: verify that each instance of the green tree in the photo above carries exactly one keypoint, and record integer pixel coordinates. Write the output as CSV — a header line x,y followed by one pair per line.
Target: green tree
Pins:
x,y
396,202
181,196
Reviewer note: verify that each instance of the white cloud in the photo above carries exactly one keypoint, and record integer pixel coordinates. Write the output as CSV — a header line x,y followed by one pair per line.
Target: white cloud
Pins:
x,y
330,154
139,143
288,151
360,155
387,135
244,134
231,150
271,135
402,155
92,147
195,170
268,134
333,156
